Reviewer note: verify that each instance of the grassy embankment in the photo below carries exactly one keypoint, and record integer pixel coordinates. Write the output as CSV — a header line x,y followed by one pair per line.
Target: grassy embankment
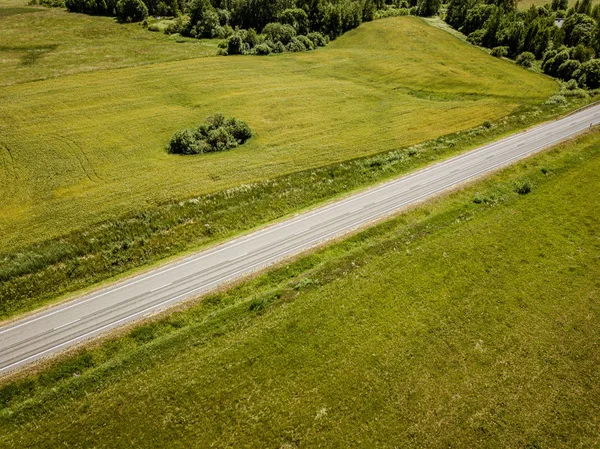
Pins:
x,y
472,321
87,148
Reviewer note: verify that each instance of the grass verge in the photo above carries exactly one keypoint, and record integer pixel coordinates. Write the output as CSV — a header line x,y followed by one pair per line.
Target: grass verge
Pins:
x,y
471,321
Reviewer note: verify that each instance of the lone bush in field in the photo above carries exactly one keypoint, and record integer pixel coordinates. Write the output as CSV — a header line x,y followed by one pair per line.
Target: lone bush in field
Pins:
x,y
217,134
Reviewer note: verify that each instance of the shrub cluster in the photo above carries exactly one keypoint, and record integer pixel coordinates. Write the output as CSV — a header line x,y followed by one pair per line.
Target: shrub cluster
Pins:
x,y
395,12
499,52
275,38
574,63
525,59
217,134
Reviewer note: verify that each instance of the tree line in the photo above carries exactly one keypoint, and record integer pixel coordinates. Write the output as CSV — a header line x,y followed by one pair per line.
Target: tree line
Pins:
x,y
566,40
222,18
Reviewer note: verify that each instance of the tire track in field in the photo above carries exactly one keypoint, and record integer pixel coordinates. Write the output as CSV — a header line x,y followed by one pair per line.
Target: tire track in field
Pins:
x,y
82,159
9,162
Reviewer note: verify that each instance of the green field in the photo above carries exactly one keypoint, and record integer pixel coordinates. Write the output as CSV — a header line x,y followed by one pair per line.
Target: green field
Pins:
x,y
13,3
83,148
472,321
38,43
524,4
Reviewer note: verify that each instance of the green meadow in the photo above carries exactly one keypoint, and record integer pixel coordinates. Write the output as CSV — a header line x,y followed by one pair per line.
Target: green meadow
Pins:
x,y
38,43
80,149
524,4
470,321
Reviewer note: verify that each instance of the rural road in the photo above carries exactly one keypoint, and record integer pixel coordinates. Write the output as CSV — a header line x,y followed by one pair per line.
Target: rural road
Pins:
x,y
57,328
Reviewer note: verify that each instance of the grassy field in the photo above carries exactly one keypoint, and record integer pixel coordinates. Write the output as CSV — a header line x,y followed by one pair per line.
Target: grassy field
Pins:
x,y
13,3
80,149
54,268
472,321
524,4
38,43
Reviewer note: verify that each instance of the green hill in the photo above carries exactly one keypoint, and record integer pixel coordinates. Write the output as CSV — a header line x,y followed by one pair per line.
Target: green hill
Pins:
x,y
80,149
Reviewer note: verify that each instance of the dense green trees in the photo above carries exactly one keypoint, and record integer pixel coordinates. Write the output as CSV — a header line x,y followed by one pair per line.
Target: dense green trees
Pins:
x,y
279,32
206,21
286,25
428,8
275,38
131,10
296,18
93,7
219,18
589,74
565,51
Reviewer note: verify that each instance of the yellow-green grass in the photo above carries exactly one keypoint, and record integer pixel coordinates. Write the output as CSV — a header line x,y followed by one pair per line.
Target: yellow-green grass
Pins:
x,y
13,3
17,10
472,321
39,43
80,149
524,4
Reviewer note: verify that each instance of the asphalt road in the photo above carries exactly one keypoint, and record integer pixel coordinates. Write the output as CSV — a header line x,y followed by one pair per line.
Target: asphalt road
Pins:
x,y
59,327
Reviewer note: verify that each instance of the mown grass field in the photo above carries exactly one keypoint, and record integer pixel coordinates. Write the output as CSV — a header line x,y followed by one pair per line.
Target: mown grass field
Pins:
x,y
37,43
472,321
80,149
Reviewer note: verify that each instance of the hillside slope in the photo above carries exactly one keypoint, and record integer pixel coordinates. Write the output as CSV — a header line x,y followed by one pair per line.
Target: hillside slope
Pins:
x,y
83,148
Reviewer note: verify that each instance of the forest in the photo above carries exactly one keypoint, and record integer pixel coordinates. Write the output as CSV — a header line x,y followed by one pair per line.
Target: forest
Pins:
x,y
258,26
565,41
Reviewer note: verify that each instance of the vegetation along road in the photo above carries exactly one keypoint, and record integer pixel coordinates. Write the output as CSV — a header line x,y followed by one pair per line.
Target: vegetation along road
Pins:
x,y
59,327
